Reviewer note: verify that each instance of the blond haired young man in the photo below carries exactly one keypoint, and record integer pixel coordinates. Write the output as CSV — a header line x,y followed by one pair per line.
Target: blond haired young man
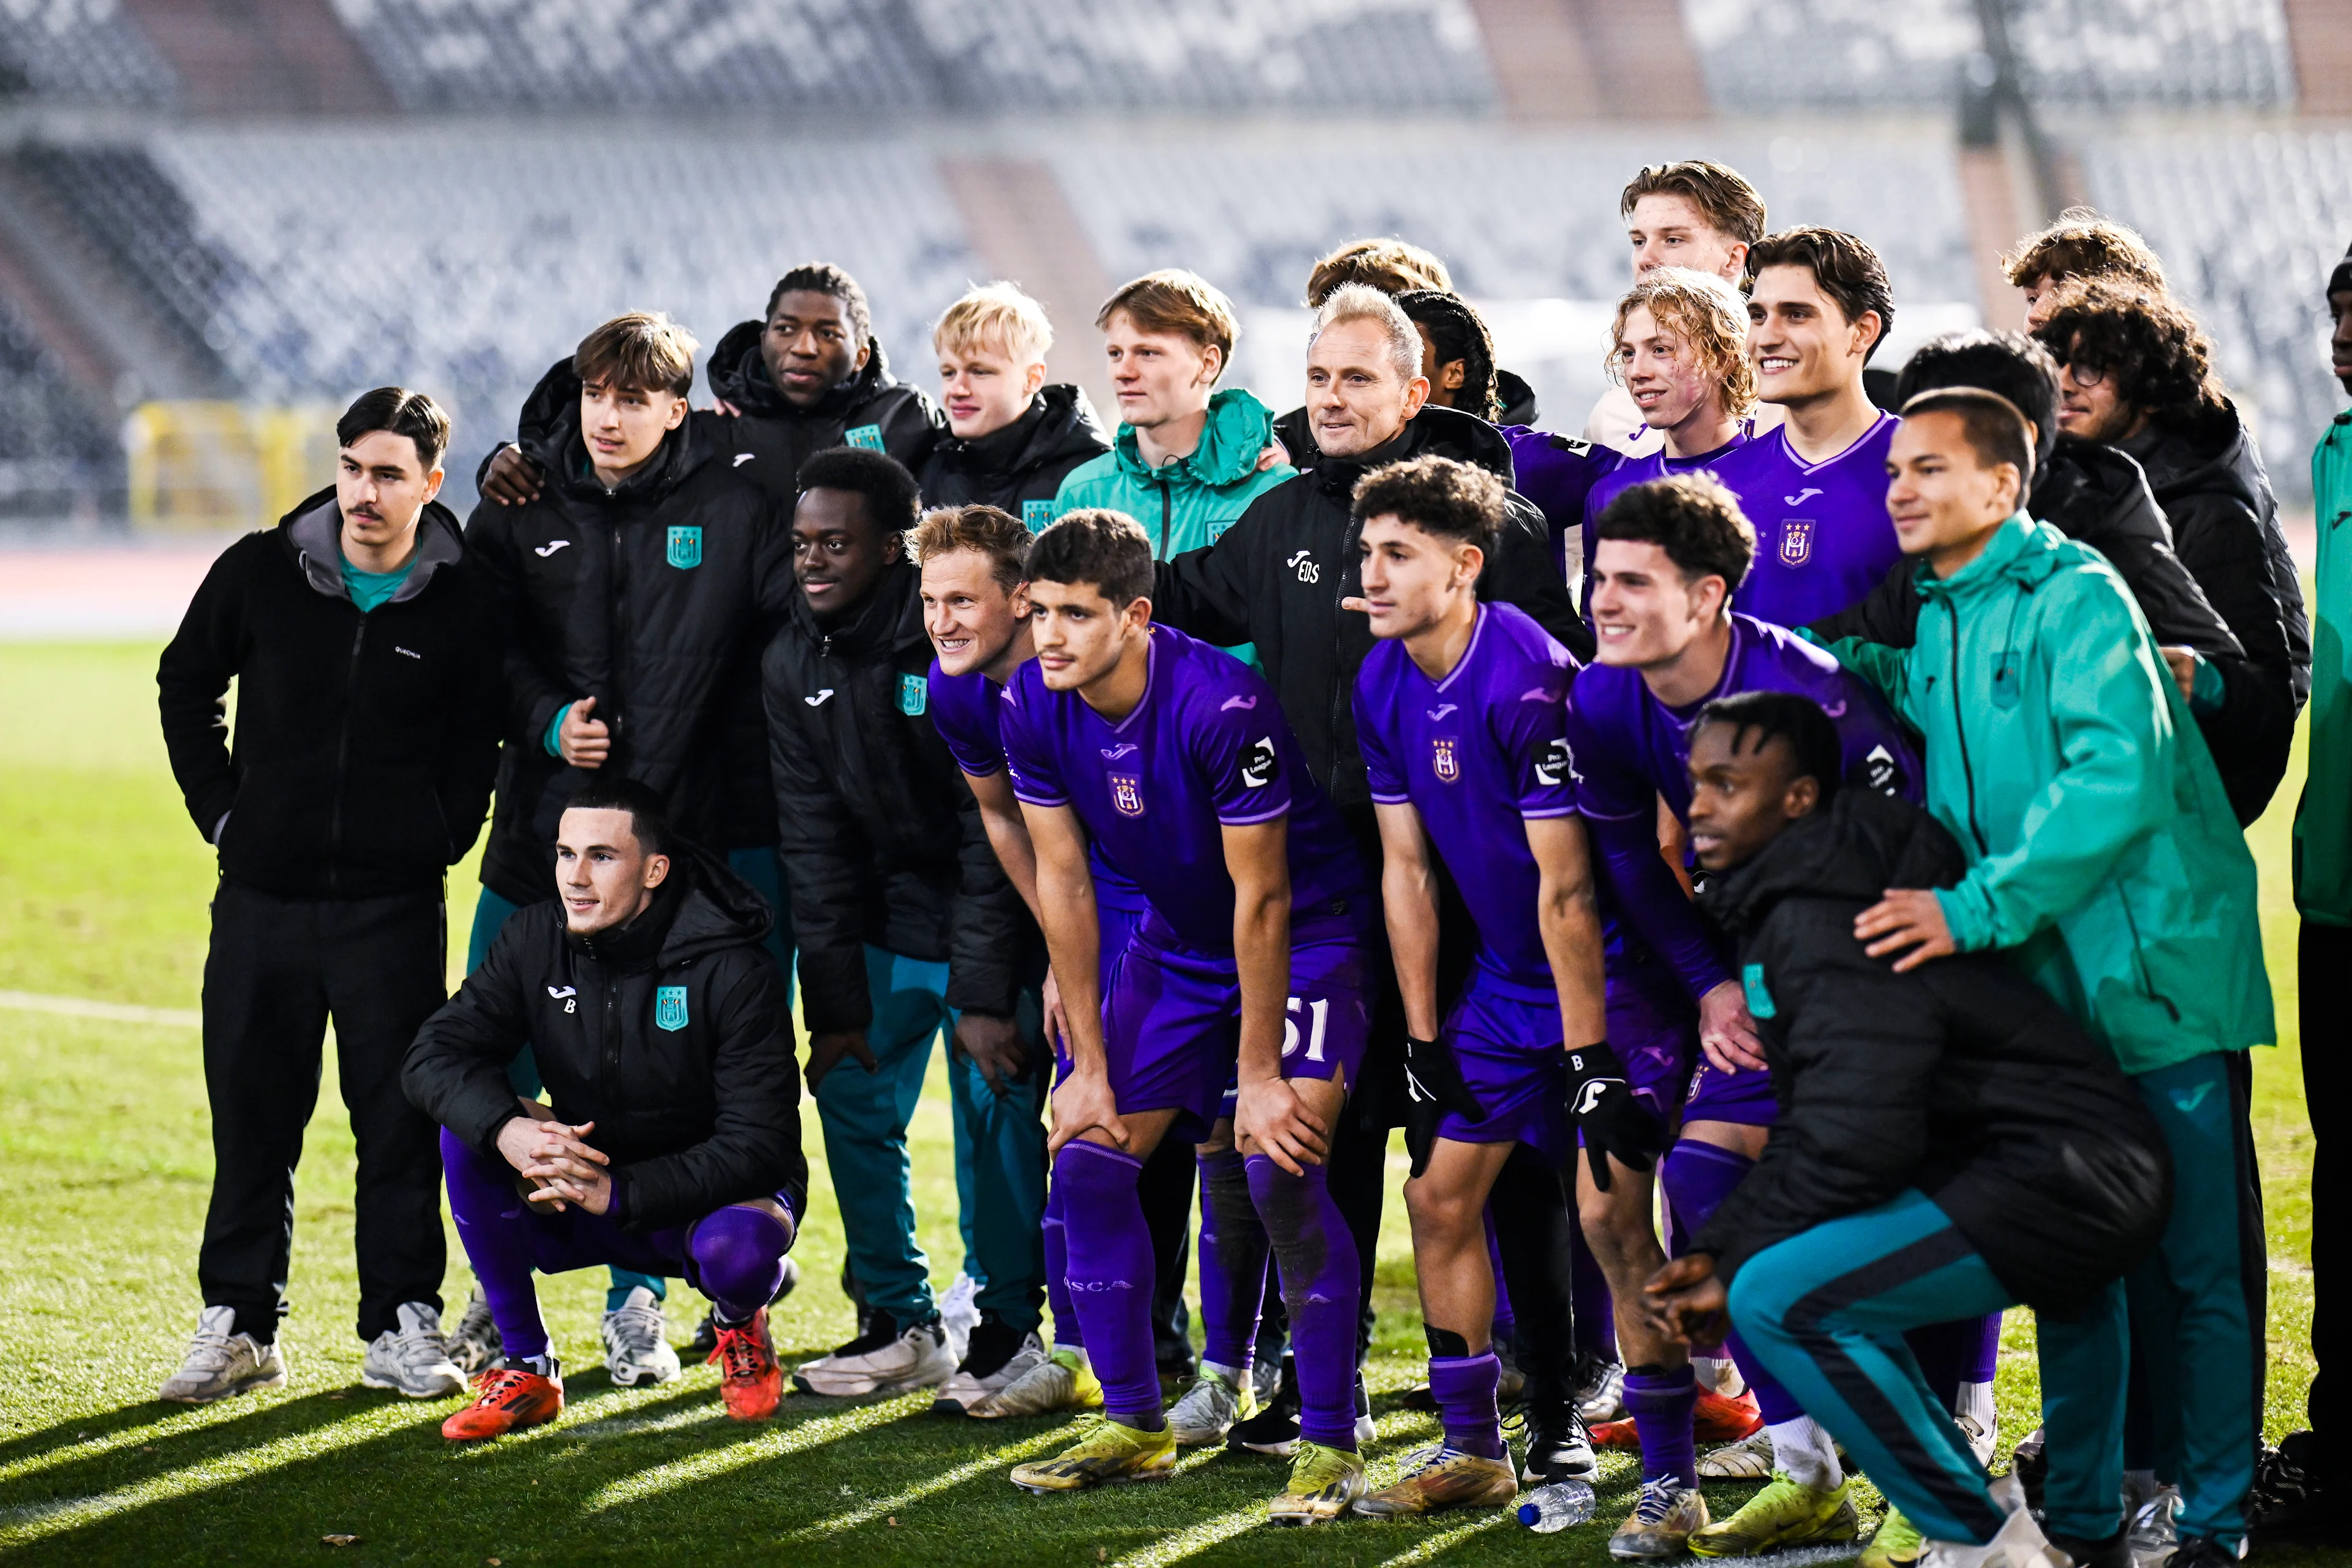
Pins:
x,y
1012,436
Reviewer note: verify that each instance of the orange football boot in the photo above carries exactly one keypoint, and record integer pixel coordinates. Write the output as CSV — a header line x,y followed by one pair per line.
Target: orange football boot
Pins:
x,y
1717,1419
749,1381
506,1399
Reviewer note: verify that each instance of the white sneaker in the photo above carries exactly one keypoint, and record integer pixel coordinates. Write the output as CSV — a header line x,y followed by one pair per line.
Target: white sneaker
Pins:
x,y
966,1393
1749,1459
1219,1396
887,1359
2019,1544
636,1345
1982,1439
1603,1398
959,1316
222,1364
2150,1530
415,1359
474,1342
1063,1380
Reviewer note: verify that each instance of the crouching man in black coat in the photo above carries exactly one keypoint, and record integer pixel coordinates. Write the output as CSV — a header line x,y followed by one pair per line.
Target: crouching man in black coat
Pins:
x,y
1949,1143
672,1144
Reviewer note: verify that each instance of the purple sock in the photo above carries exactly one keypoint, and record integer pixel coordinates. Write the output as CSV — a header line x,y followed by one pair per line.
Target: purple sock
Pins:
x,y
1661,1405
1066,1331
739,1260
1464,1387
493,1223
1596,1311
1316,1254
1111,1277
1698,1177
1950,1354
1507,1322
1232,1260
1987,1361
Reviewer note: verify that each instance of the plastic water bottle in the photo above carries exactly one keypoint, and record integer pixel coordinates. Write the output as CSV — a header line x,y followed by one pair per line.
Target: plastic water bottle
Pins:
x,y
1556,1506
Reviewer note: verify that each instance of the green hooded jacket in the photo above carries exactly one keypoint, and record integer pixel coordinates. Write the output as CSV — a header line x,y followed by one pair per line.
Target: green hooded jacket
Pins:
x,y
2101,844
2322,819
1185,504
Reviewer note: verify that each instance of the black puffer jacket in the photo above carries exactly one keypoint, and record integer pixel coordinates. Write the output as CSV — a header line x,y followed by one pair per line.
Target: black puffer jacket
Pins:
x,y
872,409
1961,1078
1276,577
1025,463
654,599
671,1035
365,743
882,841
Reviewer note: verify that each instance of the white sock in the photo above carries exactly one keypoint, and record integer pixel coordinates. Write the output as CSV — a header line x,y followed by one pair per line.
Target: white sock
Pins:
x,y
1717,1374
1975,1400
1803,1452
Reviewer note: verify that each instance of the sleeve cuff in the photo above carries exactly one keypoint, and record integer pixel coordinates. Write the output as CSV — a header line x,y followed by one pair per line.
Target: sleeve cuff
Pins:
x,y
2208,692
1972,927
553,726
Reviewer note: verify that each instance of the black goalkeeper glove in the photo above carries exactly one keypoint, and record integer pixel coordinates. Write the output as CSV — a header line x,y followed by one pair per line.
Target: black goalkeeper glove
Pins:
x,y
1433,1086
1613,1120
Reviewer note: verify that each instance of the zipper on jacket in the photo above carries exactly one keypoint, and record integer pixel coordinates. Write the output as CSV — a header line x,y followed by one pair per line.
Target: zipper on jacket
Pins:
x,y
616,623
1341,697
1166,515
611,1052
343,761
2139,962
1961,729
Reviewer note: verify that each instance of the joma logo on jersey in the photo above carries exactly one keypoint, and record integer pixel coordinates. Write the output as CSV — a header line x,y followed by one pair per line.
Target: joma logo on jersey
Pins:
x,y
1127,793
686,548
1442,759
1796,541
669,1006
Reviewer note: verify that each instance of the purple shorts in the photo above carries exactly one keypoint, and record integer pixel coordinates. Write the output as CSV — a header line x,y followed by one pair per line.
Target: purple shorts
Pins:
x,y
1115,928
1653,1028
1505,1039
1743,1097
1171,1023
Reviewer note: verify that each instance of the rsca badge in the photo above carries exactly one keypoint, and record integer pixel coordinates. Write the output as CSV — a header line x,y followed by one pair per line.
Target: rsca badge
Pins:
x,y
1037,514
686,548
867,436
669,1006
914,695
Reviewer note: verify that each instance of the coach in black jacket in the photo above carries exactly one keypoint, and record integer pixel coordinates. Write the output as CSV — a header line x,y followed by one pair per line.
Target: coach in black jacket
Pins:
x,y
908,927
361,638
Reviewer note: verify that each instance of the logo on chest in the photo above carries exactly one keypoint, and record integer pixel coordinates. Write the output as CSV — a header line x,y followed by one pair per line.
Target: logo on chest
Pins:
x,y
669,1006
914,694
1127,793
1037,514
869,436
1796,541
685,548
1443,761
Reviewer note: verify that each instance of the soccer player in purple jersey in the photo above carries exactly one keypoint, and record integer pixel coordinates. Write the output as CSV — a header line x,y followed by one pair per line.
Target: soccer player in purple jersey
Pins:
x,y
1816,489
1173,760
1460,711
1668,557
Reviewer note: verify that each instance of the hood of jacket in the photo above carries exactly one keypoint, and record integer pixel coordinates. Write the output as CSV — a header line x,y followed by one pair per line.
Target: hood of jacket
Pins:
x,y
1060,425
2021,551
1861,845
2209,454
1232,441
314,531
739,374
549,435
890,616
1435,431
1516,398
2090,491
700,908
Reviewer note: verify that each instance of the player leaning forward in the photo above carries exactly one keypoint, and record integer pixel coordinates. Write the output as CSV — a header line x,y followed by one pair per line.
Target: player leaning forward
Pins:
x,y
1174,759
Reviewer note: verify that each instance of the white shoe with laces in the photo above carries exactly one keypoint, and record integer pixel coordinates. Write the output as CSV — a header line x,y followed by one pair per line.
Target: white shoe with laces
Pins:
x,y
636,1342
1603,1398
413,1360
1982,1439
885,1358
1749,1459
958,1315
222,1363
1219,1396
474,1342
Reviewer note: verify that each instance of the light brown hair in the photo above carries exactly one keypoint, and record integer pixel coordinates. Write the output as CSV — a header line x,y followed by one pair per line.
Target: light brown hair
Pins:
x,y
1175,300
1704,312
1719,192
2081,244
993,531
643,351
1391,266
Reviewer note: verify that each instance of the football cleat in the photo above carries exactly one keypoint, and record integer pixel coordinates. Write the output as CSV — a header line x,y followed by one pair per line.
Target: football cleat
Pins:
x,y
1275,1428
1062,1381
1983,1440
749,1382
222,1363
1749,1459
704,1347
885,1358
1784,1513
1557,1447
1601,1396
1442,1477
1323,1483
996,1358
1209,1409
1111,1453
1897,1544
413,1359
635,1347
508,1399
1665,1517
475,1343
1716,1419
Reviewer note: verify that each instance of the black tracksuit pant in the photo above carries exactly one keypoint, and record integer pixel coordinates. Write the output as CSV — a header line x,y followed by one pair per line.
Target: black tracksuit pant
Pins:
x,y
278,969
2325,953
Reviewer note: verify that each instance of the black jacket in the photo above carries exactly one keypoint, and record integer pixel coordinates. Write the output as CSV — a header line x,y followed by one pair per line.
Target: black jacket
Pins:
x,y
1961,1078
654,599
1511,390
872,409
882,841
365,743
1025,461
2098,494
1276,579
671,1035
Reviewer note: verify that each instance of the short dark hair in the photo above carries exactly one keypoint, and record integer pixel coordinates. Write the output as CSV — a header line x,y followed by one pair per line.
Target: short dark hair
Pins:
x,y
2149,342
1437,495
1692,518
893,500
643,351
1789,716
2010,364
397,411
1843,267
1391,266
1459,332
1996,429
1719,192
824,277
1094,544
648,812
2081,244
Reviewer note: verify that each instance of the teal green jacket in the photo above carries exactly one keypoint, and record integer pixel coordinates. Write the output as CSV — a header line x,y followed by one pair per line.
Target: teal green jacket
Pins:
x,y
2101,845
1185,504
2323,818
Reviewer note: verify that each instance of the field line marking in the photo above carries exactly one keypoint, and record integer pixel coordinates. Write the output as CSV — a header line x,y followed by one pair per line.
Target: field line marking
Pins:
x,y
114,1012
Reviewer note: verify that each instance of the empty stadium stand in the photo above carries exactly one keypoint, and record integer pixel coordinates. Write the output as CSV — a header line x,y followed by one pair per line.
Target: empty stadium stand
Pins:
x,y
79,51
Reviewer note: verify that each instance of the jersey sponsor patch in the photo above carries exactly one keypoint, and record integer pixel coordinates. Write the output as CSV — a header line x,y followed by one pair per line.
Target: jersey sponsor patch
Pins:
x,y
1554,763
1442,760
1759,996
1257,763
669,1006
914,694
686,547
867,436
1127,793
1796,541
1037,514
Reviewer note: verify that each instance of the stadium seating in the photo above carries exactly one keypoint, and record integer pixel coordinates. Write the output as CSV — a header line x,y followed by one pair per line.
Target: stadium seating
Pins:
x,y
56,458
79,51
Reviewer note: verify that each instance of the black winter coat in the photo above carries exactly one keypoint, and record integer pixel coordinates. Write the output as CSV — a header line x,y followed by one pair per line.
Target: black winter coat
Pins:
x,y
654,599
1961,1078
365,743
872,409
882,841
1276,577
2098,494
1025,463
671,1035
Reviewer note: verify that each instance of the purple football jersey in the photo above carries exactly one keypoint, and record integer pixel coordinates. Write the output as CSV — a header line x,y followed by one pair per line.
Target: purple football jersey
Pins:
x,y
1557,473
1631,471
1206,748
1477,754
1823,540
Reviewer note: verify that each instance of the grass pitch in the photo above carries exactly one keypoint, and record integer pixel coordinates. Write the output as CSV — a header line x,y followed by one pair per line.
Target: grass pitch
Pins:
x,y
105,1162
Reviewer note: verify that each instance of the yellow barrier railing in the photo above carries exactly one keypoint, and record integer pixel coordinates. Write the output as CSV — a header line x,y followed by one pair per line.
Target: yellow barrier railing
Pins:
x,y
206,465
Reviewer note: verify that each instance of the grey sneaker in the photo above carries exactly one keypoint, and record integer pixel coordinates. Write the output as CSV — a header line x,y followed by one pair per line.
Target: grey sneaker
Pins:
x,y
1219,1396
973,1392
636,1349
1603,1398
222,1364
885,1358
414,1359
474,1342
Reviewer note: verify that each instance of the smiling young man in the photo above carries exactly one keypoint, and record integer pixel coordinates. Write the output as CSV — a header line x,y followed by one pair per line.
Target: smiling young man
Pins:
x,y
1460,713
1668,558
361,635
670,1142
2103,854
909,931
1012,437
1170,759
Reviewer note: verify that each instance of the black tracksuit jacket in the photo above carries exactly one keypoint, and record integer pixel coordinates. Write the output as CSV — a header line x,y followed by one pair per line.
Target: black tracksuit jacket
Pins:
x,y
872,409
1020,468
654,599
1961,1078
365,743
882,841
671,1035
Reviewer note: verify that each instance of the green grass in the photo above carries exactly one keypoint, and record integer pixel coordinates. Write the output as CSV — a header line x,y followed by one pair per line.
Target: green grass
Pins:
x,y
104,1167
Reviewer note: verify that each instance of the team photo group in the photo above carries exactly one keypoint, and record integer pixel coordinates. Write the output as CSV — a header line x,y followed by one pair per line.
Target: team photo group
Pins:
x,y
1774,844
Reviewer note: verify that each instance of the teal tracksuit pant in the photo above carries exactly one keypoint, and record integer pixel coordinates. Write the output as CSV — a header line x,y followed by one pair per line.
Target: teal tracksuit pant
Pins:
x,y
1000,1152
